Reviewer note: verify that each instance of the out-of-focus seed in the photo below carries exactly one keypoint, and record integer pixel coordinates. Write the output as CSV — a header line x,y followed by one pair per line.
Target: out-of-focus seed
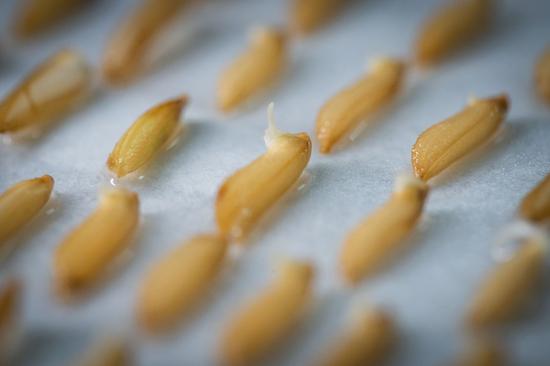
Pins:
x,y
178,281
377,239
86,253
146,137
10,299
542,75
256,69
343,112
51,91
109,352
483,352
444,143
306,16
535,206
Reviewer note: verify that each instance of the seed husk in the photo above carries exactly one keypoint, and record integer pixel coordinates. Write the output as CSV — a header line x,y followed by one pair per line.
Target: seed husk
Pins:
x,y
445,143
381,235
50,92
178,281
146,137
342,113
256,69
10,304
452,27
251,191
367,341
267,319
507,288
109,351
307,16
84,256
483,352
20,203
535,206
542,75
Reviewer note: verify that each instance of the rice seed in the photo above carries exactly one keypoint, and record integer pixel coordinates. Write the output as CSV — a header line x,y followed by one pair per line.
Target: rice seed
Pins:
x,y
127,52
50,92
146,137
85,254
452,27
251,191
483,352
178,281
343,112
444,143
367,341
506,289
535,206
10,299
109,352
20,203
256,69
380,236
542,75
307,16
266,320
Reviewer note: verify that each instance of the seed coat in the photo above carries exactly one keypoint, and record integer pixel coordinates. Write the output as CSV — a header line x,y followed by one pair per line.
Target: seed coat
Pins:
x,y
307,16
535,206
10,303
542,75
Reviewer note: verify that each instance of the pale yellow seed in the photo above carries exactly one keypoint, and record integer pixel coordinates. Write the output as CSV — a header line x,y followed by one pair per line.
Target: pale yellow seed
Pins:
x,y
307,16
146,137
266,320
542,75
21,202
445,143
451,27
381,235
251,191
127,52
10,306
85,254
353,105
177,282
367,341
535,206
483,352
50,92
256,69
508,287
109,352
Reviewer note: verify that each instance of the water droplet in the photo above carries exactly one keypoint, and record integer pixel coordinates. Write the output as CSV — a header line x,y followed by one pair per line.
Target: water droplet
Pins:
x,y
50,211
141,177
113,181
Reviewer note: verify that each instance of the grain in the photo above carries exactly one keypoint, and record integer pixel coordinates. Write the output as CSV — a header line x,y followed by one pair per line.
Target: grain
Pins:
x,y
152,132
251,191
177,282
445,143
10,306
109,351
256,69
356,103
483,352
542,75
307,16
265,321
381,235
50,92
84,256
535,206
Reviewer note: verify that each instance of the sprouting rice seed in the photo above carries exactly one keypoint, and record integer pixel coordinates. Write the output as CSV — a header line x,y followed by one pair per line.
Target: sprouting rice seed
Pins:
x,y
353,105
127,52
306,16
146,137
483,352
256,69
542,75
84,256
379,237
110,351
178,281
251,191
508,287
10,299
367,341
451,27
51,91
21,202
445,143
266,320
535,206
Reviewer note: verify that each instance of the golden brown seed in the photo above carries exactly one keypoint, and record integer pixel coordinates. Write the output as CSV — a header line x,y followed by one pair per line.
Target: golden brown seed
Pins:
x,y
451,27
127,53
256,69
536,205
251,191
109,352
377,239
36,16
367,341
444,143
21,202
507,288
51,91
146,137
267,319
483,353
542,75
179,280
343,112
10,298
307,16
86,253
